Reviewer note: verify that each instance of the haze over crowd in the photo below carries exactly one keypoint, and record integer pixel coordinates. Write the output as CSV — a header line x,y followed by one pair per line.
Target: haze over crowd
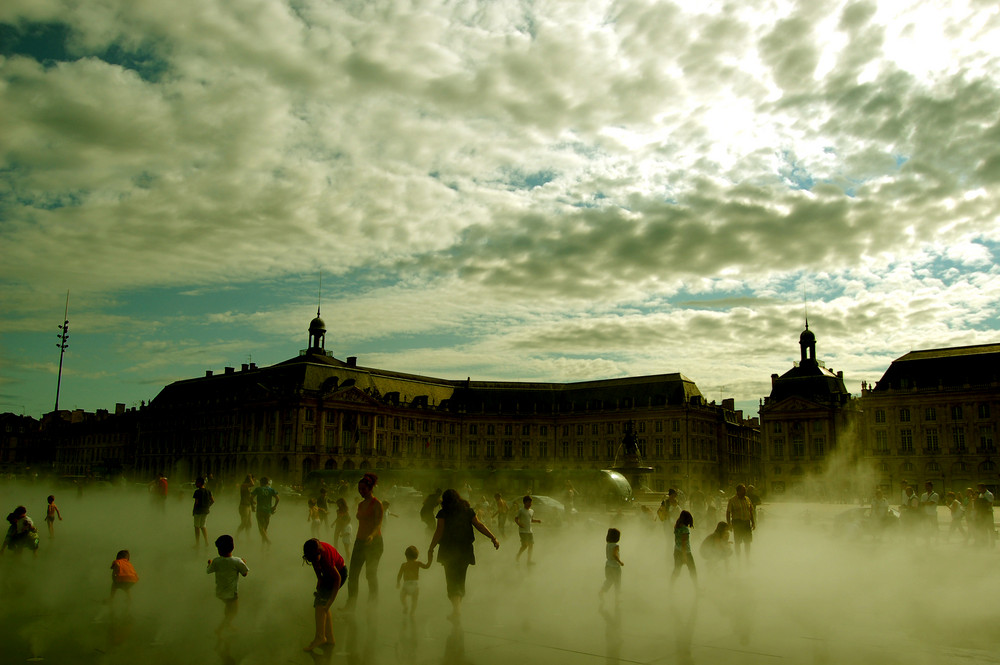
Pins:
x,y
811,592
504,190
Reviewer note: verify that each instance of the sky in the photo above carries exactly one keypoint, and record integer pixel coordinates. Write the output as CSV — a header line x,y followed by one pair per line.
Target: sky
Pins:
x,y
502,190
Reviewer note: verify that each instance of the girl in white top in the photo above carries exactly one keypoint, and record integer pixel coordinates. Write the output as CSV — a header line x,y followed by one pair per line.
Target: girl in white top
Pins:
x,y
613,565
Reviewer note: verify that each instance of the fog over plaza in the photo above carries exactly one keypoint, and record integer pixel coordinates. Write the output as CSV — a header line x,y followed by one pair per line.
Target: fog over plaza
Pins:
x,y
508,190
813,593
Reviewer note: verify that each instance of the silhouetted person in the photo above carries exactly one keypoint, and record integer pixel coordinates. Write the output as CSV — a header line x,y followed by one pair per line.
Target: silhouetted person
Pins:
x,y
741,519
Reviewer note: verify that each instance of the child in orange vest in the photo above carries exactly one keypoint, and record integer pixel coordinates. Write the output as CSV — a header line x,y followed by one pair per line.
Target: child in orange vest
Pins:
x,y
123,575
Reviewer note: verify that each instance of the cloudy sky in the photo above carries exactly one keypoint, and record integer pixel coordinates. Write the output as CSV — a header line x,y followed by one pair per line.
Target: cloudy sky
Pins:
x,y
501,189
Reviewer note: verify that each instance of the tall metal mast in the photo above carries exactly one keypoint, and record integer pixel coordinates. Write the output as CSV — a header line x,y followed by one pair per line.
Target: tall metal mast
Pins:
x,y
63,345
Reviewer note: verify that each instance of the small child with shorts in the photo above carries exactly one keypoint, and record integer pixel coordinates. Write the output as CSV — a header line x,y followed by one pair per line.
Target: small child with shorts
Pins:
x,y
123,575
409,575
314,518
227,569
613,564
51,513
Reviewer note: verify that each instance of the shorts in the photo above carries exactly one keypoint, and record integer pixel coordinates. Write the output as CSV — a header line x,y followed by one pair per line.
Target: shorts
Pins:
x,y
527,537
742,532
410,588
612,576
124,586
322,594
199,521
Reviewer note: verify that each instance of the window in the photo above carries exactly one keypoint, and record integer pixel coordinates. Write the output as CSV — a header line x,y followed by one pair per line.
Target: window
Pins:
x,y
642,427
473,429
658,426
490,430
439,447
956,412
779,446
611,449
543,449
983,411
380,443
473,447
932,440
819,445
675,426
491,449
595,429
880,415
525,430
525,449
565,430
777,428
395,423
329,439
595,452
310,415
881,441
904,415
930,413
579,430
986,438
395,444
798,447
642,447
508,430
543,430
817,425
307,440
508,449
410,425
657,449
565,449
675,447
906,440
579,449
958,439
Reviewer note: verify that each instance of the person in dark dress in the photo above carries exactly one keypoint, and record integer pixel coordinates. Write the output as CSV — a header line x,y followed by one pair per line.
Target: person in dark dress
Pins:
x,y
454,533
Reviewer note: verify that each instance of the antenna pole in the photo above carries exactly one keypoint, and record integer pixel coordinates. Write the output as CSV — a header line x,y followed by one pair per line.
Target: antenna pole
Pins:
x,y
63,345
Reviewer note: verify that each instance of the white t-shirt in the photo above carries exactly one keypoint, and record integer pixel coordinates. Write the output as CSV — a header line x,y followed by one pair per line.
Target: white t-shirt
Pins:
x,y
227,571
930,511
524,517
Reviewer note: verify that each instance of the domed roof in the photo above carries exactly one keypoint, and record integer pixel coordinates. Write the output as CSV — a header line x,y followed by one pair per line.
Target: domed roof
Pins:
x,y
807,336
317,324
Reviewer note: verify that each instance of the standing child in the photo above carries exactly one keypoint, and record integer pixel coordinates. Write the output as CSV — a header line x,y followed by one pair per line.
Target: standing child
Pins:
x,y
203,501
227,569
613,565
123,575
343,532
314,518
524,519
51,513
682,546
409,574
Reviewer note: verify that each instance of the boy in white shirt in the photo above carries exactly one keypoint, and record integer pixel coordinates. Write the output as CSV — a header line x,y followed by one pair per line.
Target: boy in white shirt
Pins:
x,y
227,569
524,519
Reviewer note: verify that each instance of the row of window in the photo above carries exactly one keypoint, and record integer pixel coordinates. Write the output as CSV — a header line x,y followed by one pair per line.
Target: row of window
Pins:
x,y
930,413
932,440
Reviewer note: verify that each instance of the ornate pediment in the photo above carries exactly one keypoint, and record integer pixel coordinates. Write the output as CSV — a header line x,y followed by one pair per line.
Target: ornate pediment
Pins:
x,y
351,395
793,404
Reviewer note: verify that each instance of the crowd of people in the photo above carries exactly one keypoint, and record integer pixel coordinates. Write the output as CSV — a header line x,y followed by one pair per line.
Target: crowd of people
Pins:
x,y
451,524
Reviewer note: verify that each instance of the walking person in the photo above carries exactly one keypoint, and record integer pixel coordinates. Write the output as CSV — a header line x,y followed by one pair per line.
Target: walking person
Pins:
x,y
246,504
267,500
454,533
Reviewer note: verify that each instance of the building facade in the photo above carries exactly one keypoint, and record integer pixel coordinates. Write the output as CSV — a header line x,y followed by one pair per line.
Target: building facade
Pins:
x,y
809,421
934,416
315,411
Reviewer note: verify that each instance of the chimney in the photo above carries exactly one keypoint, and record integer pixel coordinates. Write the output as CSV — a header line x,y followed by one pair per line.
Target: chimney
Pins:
x,y
352,361
208,373
230,370
244,367
119,409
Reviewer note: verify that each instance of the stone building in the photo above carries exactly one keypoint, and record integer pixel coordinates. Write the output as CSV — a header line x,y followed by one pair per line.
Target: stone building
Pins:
x,y
315,411
933,416
808,419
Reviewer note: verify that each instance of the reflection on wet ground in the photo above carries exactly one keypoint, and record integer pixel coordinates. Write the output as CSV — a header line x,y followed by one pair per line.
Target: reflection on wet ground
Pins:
x,y
808,595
